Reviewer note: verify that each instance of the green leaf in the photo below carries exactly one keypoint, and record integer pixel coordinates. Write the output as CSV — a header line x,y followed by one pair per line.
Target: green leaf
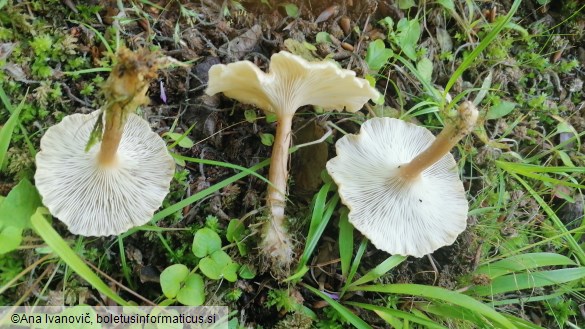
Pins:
x,y
20,204
218,265
230,272
447,4
205,242
235,230
193,292
523,262
383,268
499,110
182,140
425,68
246,272
442,295
408,35
6,133
528,280
172,278
381,311
406,4
11,238
345,242
267,139
271,117
62,249
323,37
347,314
291,10
250,116
377,55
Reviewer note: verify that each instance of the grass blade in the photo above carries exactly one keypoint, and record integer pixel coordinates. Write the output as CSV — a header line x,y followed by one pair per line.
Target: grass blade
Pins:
x,y
440,294
61,248
523,262
572,243
347,314
321,215
514,282
6,133
398,314
390,263
345,242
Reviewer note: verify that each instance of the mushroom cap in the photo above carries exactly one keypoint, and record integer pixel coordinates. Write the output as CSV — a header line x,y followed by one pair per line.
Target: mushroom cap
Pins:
x,y
97,200
411,218
291,83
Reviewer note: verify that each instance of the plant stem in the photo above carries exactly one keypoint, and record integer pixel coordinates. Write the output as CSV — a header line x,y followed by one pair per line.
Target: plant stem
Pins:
x,y
276,241
453,132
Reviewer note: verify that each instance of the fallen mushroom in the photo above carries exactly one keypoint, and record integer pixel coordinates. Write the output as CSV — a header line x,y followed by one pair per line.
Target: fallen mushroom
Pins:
x,y
116,183
292,82
401,183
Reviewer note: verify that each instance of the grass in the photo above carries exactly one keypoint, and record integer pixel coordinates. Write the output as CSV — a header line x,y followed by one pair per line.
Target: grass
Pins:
x,y
521,255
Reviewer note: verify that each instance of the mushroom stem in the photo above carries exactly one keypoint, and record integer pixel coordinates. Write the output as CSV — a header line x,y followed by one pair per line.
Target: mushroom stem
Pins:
x,y
276,241
453,132
113,130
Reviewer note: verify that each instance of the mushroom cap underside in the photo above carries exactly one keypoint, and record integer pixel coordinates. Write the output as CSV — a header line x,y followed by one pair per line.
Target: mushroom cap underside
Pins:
x,y
291,83
97,200
406,217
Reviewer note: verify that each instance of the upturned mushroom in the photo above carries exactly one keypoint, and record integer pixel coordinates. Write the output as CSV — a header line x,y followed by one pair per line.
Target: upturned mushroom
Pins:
x,y
110,184
401,184
291,82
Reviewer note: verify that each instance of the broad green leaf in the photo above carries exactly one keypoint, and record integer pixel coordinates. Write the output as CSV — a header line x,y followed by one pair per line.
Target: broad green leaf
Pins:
x,y
230,272
6,134
323,37
500,110
523,262
193,292
447,4
250,116
217,265
442,295
267,139
246,272
20,203
425,68
62,249
406,4
528,280
205,242
291,10
408,34
235,230
377,55
11,237
171,279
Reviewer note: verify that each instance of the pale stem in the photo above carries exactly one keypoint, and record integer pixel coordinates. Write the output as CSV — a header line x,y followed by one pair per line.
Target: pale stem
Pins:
x,y
453,132
113,130
278,176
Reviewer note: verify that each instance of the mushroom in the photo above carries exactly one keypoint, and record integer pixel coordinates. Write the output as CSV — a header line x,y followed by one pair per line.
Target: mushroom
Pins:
x,y
106,187
401,184
292,82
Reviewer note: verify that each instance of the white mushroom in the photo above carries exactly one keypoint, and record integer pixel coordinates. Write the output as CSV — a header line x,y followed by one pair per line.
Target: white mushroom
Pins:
x,y
401,183
292,82
97,200
121,176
